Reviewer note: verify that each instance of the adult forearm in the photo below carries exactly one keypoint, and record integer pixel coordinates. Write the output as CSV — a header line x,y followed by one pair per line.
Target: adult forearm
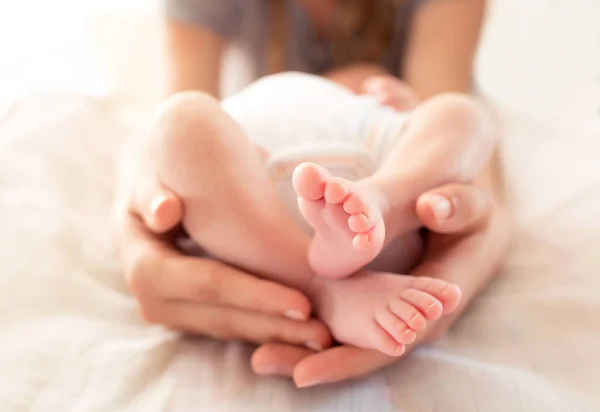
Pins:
x,y
441,46
192,58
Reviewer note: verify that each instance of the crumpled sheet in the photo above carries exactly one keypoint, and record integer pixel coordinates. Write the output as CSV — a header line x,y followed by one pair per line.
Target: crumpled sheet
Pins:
x,y
70,338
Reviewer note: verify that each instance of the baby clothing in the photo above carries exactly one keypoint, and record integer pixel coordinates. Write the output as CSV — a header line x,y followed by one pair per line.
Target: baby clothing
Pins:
x,y
300,117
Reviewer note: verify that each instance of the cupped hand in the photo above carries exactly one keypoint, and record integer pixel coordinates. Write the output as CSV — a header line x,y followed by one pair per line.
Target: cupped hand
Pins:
x,y
191,294
466,242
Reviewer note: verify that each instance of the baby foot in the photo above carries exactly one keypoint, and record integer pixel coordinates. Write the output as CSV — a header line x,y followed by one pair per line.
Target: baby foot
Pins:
x,y
382,311
349,230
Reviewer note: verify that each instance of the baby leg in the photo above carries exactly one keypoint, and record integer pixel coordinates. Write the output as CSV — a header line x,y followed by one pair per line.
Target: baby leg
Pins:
x,y
231,206
447,139
233,211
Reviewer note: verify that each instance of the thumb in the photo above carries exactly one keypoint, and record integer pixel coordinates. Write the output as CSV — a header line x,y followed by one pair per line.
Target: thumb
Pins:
x,y
160,209
454,208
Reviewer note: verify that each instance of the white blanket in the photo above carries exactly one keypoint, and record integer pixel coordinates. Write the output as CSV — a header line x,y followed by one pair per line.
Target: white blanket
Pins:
x,y
70,338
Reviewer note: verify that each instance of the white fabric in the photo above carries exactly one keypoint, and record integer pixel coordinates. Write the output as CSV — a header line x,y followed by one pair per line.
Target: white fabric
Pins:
x,y
292,110
70,338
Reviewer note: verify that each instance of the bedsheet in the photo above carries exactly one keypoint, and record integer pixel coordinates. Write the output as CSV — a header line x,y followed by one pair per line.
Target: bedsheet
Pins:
x,y
70,338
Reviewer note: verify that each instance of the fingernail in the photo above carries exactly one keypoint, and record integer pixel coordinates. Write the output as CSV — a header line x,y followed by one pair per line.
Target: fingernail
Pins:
x,y
294,314
314,345
308,383
441,207
156,203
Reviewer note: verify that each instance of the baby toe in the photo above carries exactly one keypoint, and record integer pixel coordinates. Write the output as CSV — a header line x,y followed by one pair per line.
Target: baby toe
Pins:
x,y
395,327
449,294
359,223
452,298
361,241
310,180
429,306
385,343
336,190
355,204
408,314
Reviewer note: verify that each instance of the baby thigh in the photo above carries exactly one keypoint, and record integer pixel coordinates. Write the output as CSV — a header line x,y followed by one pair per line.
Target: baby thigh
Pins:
x,y
231,207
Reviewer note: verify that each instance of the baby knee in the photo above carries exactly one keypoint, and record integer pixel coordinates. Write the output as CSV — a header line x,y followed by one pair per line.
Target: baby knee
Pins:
x,y
189,109
185,118
463,114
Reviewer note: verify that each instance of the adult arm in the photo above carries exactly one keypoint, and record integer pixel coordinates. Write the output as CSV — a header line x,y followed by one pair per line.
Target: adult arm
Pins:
x,y
441,44
195,35
192,58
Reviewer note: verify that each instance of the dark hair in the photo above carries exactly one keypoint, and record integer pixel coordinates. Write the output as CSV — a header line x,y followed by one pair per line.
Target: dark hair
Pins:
x,y
362,30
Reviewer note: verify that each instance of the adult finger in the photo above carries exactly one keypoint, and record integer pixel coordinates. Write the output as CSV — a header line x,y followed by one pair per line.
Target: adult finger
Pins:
x,y
277,359
148,265
227,323
140,249
211,282
155,270
139,192
454,208
160,209
338,364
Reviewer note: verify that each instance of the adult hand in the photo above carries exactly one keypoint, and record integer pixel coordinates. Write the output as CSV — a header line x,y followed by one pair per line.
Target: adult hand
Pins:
x,y
191,294
468,236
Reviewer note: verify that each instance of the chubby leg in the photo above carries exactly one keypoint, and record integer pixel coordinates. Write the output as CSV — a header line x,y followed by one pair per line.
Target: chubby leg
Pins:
x,y
231,206
233,211
447,139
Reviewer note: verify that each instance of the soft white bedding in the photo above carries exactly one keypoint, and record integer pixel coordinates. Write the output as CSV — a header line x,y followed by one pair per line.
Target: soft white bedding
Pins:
x,y
70,338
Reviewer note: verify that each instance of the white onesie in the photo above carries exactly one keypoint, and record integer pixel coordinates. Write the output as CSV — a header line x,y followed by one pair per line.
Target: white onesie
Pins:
x,y
299,117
